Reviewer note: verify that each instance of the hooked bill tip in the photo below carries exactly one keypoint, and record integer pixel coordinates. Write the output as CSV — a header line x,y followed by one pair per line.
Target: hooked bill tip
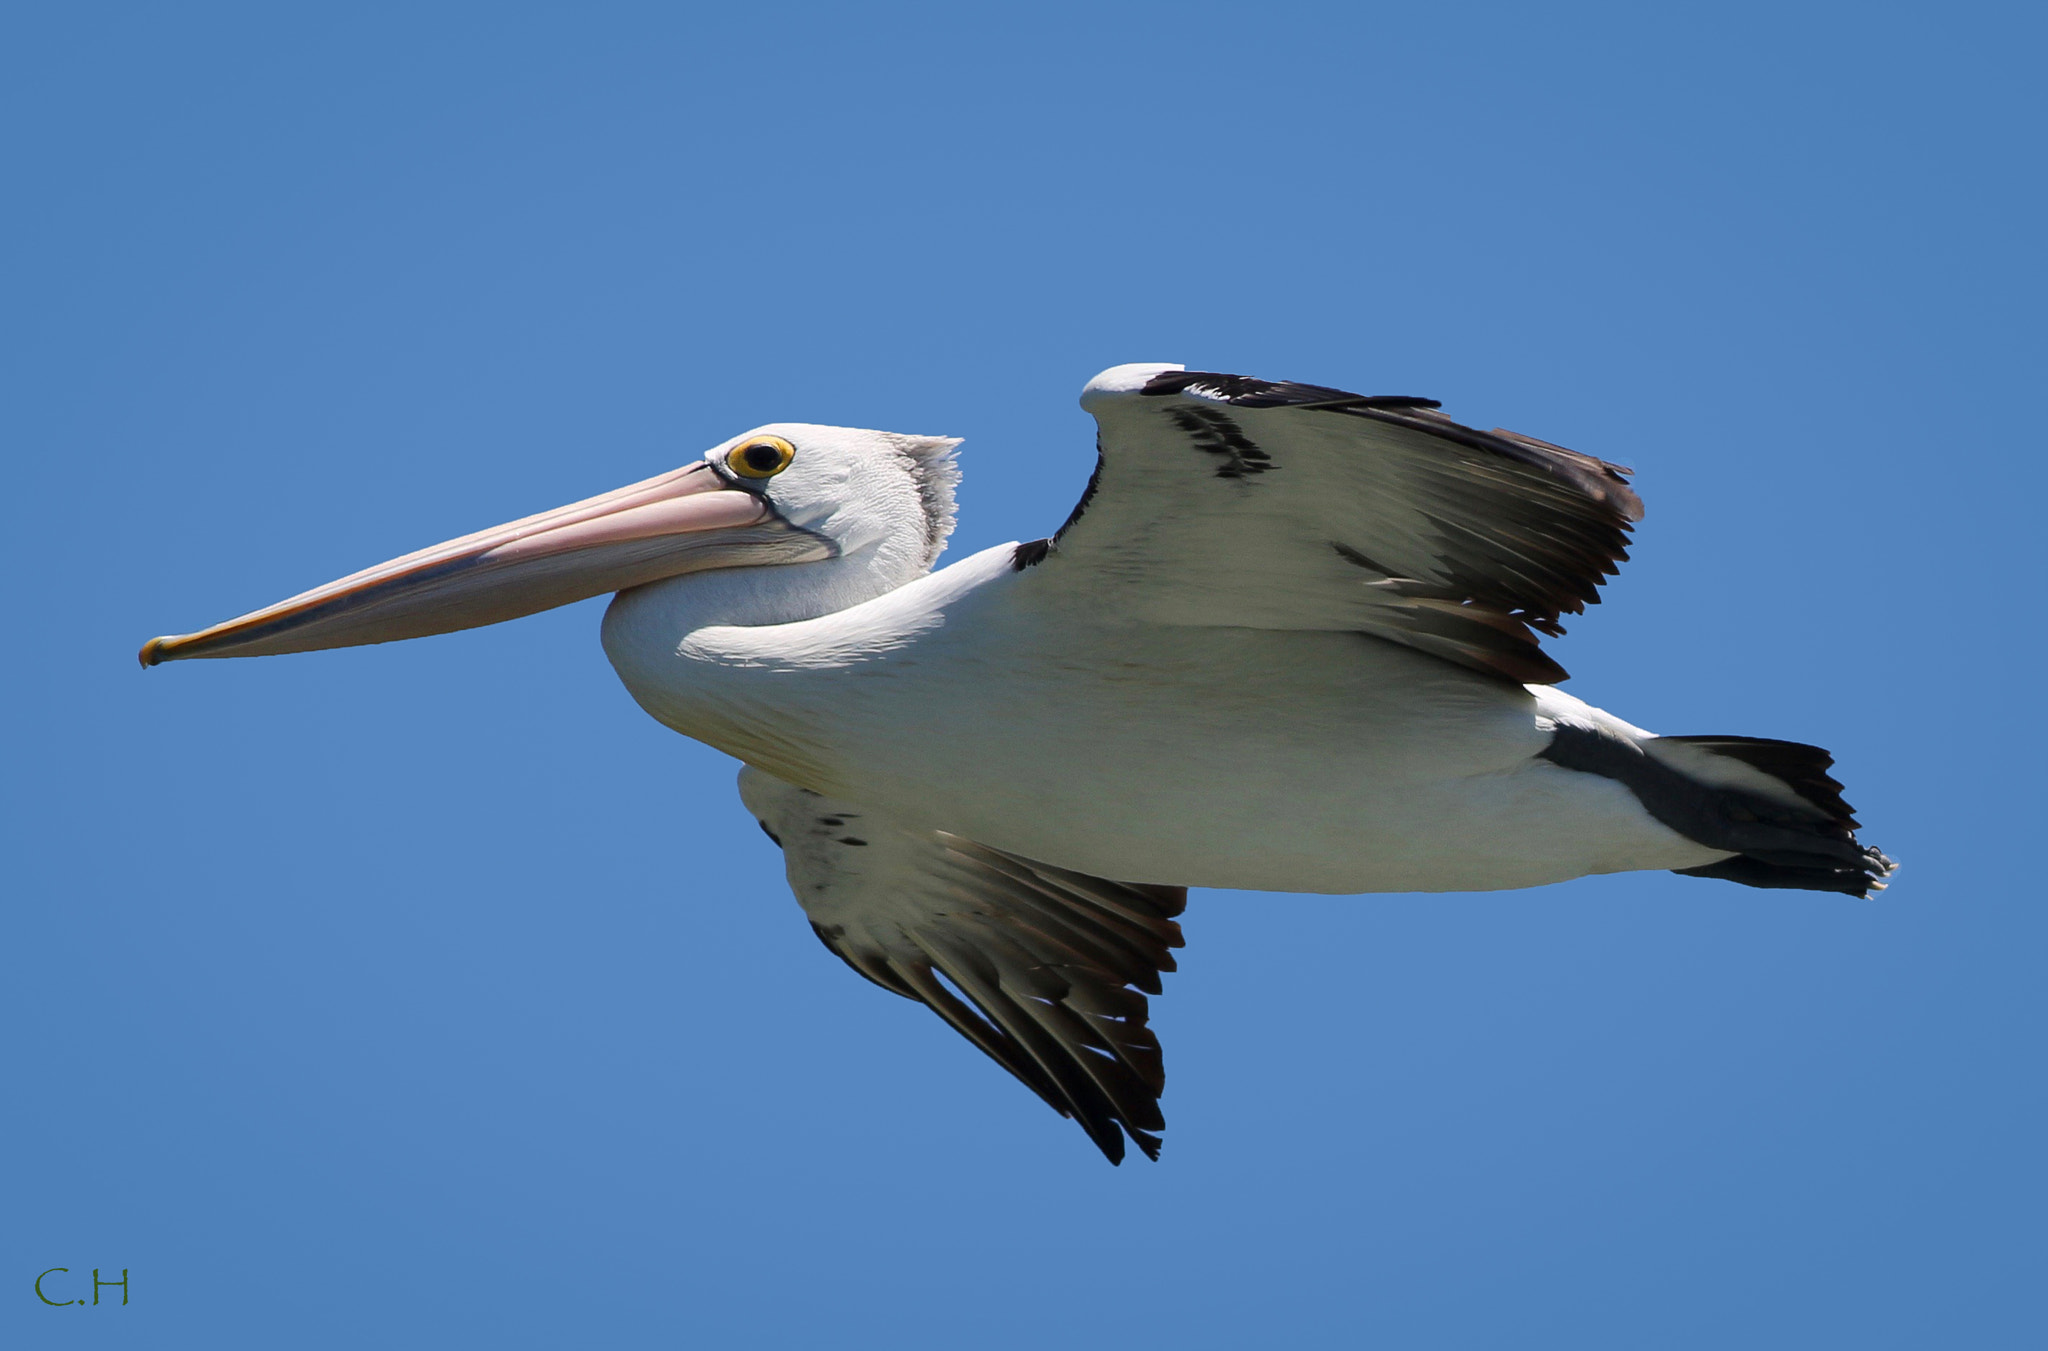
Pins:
x,y
152,652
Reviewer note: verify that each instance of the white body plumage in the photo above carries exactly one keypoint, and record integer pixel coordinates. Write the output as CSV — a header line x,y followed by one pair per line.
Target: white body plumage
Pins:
x,y
1214,757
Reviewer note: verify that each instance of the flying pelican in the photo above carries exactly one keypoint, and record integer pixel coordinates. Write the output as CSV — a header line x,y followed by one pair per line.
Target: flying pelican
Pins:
x,y
1287,641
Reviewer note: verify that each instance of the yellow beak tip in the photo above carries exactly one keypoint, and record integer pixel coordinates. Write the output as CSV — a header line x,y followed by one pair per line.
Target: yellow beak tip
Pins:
x,y
152,652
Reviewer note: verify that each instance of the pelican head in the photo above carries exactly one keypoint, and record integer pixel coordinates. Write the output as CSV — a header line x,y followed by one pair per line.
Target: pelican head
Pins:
x,y
785,493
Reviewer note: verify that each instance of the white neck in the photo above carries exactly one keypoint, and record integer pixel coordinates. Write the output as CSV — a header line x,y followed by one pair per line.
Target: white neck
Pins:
x,y
692,649
647,627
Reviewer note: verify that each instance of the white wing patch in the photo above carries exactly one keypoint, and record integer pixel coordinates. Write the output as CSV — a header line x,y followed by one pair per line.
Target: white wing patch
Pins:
x,y
1223,500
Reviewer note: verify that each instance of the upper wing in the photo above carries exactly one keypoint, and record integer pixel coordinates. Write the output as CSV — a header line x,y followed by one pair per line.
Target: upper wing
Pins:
x,y
1031,963
1223,500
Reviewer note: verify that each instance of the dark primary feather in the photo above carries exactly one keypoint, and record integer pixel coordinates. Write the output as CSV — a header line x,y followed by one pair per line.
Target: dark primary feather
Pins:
x,y
1033,964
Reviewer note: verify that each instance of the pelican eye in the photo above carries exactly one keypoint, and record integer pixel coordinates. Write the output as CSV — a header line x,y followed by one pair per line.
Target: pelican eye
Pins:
x,y
760,457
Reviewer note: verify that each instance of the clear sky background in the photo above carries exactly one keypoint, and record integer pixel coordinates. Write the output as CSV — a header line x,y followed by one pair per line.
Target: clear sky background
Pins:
x,y
389,997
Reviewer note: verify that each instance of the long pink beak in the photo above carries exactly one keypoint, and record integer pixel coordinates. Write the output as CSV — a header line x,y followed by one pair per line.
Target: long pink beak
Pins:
x,y
683,521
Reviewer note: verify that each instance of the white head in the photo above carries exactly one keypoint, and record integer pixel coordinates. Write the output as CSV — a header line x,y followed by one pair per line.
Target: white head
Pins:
x,y
781,494
860,489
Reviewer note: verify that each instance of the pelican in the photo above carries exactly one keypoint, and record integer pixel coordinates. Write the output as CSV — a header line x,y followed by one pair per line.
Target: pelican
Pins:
x,y
1287,641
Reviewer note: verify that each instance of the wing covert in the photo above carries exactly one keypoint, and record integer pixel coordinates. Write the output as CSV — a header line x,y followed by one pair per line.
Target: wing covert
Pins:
x,y
1226,500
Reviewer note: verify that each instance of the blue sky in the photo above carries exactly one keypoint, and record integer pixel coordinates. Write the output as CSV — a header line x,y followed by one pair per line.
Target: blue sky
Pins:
x,y
371,997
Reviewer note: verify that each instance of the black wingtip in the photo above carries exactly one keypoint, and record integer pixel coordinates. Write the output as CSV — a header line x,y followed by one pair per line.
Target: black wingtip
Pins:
x,y
1110,1141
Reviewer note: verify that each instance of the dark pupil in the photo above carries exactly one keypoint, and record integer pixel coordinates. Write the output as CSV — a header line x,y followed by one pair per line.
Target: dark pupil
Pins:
x,y
764,458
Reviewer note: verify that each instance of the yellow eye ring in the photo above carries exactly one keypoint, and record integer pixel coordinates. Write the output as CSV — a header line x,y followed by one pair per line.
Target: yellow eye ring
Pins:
x,y
760,457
